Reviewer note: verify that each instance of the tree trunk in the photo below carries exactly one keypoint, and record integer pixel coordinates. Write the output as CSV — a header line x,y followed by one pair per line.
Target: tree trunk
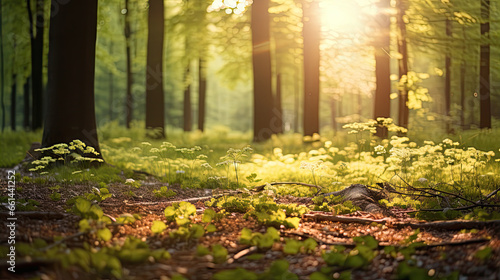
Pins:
x,y
111,88
311,33
36,63
155,103
404,112
2,70
129,100
484,70
277,116
188,112
13,91
333,110
26,101
202,93
447,85
70,96
382,68
262,75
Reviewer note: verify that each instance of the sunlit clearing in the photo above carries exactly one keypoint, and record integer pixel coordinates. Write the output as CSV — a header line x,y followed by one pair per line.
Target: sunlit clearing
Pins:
x,y
344,16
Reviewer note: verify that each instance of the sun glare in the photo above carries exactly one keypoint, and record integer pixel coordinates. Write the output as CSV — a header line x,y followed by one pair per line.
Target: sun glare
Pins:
x,y
342,16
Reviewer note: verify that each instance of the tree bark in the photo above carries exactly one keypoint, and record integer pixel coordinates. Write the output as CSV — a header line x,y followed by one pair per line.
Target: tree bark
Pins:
x,y
2,70
155,102
70,96
404,112
36,63
447,85
188,112
484,69
262,75
382,68
129,99
202,93
277,118
311,33
26,101
13,103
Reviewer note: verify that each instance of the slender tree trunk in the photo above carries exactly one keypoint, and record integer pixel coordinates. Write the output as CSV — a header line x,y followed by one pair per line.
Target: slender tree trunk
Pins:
x,y
129,99
277,118
311,33
333,110
188,112
111,88
296,103
71,69
202,93
26,101
262,74
404,112
360,105
484,70
13,103
462,81
155,100
2,70
36,63
382,68
447,86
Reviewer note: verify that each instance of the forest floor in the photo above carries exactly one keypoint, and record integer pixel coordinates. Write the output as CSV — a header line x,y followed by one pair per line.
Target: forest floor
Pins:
x,y
447,252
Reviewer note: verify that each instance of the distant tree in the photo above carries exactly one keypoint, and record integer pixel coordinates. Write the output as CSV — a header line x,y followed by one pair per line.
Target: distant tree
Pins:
x,y
447,69
13,103
277,120
262,76
36,34
382,66
155,106
2,69
202,92
484,69
129,99
311,33
188,112
70,91
26,103
404,112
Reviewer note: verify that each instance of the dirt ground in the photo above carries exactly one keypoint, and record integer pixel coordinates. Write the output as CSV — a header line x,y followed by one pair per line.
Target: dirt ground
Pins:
x,y
53,220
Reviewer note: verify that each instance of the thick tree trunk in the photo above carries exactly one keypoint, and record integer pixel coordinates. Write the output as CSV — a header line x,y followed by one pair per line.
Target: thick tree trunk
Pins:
x,y
404,112
202,93
155,103
129,99
311,33
70,96
447,85
36,63
382,68
2,71
484,70
262,75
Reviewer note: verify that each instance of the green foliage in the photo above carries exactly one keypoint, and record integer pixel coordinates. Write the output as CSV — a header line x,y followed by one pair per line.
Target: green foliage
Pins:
x,y
262,241
158,227
277,271
21,203
164,192
180,212
293,246
187,232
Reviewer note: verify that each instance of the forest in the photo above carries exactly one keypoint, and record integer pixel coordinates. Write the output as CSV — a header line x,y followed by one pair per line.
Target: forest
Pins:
x,y
240,139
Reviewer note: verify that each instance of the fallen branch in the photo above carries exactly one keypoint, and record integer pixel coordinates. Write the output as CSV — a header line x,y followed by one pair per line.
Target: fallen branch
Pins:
x,y
443,225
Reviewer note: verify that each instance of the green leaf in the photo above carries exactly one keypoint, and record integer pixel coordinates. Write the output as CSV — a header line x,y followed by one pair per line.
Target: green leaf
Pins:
x,y
84,225
292,246
219,253
158,227
104,234
82,205
319,276
96,212
484,254
355,261
170,212
197,231
310,244
211,228
202,250
246,236
208,215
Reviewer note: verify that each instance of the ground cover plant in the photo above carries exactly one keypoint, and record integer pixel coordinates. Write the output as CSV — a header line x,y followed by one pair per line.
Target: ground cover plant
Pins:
x,y
214,206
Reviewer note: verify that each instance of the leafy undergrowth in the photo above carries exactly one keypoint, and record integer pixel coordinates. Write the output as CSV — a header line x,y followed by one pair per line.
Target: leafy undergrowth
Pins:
x,y
193,208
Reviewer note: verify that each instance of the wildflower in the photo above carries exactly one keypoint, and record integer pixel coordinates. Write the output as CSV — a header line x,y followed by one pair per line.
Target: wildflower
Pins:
x,y
380,150
129,181
180,171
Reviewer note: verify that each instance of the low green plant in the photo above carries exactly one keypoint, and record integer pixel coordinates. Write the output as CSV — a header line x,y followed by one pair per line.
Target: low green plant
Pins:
x,y
180,212
262,241
279,270
293,246
21,203
234,157
164,192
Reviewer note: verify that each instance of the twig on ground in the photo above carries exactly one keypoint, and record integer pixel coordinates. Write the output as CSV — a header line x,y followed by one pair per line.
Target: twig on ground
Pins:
x,y
261,187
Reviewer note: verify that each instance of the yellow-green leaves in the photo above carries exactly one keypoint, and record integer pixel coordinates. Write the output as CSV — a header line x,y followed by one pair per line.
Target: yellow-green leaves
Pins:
x,y
158,227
